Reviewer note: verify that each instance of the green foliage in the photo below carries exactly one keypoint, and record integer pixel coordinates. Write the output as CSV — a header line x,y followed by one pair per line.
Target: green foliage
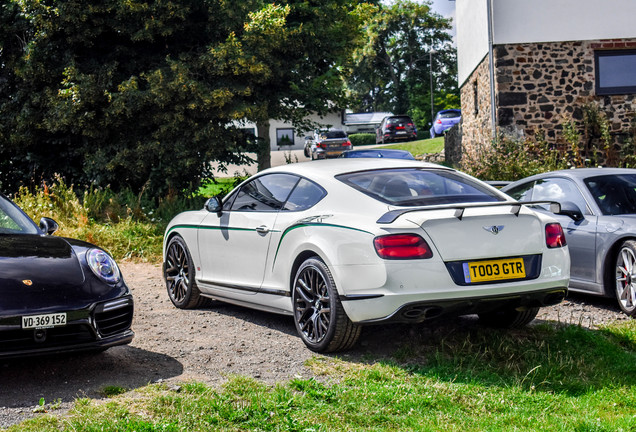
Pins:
x,y
362,139
508,159
393,69
546,377
220,186
127,225
144,95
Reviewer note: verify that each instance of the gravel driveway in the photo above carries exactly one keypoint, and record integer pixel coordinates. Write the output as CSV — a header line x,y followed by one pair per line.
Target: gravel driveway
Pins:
x,y
207,345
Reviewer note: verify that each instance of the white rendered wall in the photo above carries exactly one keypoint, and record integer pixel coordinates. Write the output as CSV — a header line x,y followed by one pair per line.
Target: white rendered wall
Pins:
x,y
472,35
531,21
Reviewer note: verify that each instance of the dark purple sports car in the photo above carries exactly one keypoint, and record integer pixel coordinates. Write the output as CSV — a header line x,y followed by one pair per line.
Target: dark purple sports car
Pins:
x,y
57,294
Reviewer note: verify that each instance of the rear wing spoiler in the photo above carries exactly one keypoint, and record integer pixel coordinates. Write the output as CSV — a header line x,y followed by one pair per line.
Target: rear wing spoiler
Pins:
x,y
391,216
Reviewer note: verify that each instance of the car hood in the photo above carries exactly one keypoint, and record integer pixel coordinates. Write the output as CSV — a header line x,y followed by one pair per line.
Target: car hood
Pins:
x,y
39,272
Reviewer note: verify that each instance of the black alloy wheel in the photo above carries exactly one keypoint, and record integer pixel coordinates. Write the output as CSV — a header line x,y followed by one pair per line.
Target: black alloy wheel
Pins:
x,y
179,276
319,317
625,277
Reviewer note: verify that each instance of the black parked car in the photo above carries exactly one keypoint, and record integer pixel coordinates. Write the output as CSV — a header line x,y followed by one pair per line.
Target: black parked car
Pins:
x,y
57,294
395,128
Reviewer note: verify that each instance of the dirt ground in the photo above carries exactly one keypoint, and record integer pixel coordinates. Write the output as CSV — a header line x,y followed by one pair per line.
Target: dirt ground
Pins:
x,y
207,345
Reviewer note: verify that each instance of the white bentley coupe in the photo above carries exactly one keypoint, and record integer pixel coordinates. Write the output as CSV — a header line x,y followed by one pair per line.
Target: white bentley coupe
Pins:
x,y
339,244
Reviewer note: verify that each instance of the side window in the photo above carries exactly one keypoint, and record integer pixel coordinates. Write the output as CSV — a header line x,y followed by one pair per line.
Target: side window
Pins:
x,y
522,192
305,195
264,193
558,189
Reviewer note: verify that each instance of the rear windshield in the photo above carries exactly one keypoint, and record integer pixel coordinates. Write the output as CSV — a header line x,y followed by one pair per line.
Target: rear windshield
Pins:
x,y
394,120
449,114
415,186
333,134
614,194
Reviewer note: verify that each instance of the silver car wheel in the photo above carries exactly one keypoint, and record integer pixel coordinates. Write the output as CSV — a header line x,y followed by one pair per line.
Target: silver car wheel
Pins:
x,y
626,278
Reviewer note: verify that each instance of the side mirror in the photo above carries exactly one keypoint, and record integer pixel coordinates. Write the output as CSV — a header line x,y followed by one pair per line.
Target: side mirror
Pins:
x,y
214,205
48,225
568,208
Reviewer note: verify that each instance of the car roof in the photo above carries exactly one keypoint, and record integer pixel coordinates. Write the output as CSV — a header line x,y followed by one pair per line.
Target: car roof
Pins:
x,y
329,168
449,110
577,173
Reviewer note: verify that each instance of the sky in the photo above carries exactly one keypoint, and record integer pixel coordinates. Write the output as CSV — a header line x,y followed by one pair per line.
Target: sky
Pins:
x,y
445,8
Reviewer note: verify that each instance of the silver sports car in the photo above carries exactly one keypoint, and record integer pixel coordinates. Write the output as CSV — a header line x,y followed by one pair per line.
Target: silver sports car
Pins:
x,y
600,226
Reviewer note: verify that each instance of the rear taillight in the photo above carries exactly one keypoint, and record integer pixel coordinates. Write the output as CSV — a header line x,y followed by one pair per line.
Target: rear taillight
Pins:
x,y
321,145
439,121
399,127
402,246
348,143
554,236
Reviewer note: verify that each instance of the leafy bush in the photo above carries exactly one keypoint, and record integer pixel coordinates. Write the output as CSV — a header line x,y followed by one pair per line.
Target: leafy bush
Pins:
x,y
510,159
127,225
362,139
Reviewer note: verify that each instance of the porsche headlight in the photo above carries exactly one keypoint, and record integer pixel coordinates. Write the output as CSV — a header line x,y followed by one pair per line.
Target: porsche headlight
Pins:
x,y
103,265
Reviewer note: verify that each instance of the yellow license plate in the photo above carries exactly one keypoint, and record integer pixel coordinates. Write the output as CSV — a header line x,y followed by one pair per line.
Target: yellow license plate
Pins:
x,y
485,271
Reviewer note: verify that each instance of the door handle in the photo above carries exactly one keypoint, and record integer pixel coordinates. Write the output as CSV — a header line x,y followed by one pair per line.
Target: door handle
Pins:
x,y
262,229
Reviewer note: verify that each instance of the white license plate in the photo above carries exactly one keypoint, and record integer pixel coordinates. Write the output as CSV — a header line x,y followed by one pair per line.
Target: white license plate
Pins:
x,y
401,133
44,321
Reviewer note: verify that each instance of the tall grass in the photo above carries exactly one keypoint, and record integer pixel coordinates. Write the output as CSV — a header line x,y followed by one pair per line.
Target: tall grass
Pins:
x,y
127,225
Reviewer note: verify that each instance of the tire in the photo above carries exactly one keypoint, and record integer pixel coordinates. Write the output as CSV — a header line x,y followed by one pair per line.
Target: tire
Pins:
x,y
509,318
624,280
178,273
307,152
319,317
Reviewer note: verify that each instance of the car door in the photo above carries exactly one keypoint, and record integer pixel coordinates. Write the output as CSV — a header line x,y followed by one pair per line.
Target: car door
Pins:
x,y
234,245
580,235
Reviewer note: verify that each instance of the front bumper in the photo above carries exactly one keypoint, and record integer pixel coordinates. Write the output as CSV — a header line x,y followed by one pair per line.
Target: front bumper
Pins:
x,y
97,327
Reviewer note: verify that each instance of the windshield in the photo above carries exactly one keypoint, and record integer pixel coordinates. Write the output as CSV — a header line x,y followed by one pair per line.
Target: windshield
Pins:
x,y
333,134
13,221
614,194
395,120
415,186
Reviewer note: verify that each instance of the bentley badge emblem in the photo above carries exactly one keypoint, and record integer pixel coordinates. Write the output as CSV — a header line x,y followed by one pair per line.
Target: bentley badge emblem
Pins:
x,y
27,282
495,229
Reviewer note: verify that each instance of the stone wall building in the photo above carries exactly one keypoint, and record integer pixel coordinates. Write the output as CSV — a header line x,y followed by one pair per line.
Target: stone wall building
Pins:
x,y
526,68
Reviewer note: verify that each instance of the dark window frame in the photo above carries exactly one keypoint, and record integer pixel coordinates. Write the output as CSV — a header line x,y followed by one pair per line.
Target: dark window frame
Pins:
x,y
605,91
292,138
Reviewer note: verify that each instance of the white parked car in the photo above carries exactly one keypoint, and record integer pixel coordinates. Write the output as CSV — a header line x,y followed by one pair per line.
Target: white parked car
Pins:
x,y
342,243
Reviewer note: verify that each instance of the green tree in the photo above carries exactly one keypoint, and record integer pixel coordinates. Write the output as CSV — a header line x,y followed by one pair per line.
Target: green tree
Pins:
x,y
145,94
299,57
393,69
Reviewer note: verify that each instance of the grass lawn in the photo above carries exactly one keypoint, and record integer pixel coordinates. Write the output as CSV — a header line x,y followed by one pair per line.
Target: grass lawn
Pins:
x,y
556,378
431,145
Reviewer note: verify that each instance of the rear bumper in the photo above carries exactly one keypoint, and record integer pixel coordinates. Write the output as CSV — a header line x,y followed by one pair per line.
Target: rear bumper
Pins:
x,y
430,309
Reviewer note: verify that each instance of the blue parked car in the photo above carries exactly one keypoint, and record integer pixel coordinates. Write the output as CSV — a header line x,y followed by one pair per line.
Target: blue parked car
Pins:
x,y
377,153
444,120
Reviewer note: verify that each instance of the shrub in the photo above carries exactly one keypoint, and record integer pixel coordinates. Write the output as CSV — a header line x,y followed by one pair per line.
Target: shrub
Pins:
x,y
362,139
510,159
125,224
